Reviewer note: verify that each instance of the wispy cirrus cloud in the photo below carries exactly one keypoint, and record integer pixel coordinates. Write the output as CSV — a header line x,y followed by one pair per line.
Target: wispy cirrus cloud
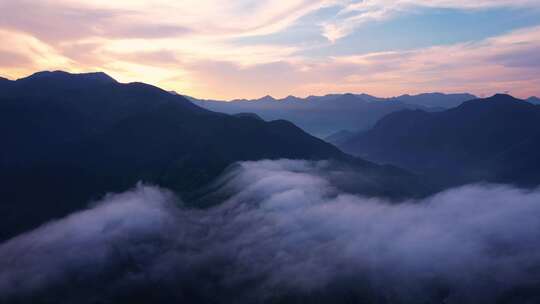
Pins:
x,y
357,13
21,52
63,20
485,67
129,38
207,48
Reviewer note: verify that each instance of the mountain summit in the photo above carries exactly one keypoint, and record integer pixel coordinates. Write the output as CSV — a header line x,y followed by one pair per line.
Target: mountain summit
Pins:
x,y
70,138
466,143
64,78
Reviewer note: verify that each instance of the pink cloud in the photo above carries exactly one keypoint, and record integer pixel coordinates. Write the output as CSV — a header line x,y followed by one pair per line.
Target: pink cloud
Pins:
x,y
195,56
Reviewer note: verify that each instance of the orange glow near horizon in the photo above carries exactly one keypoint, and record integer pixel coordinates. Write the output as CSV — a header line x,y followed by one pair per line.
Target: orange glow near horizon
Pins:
x,y
189,48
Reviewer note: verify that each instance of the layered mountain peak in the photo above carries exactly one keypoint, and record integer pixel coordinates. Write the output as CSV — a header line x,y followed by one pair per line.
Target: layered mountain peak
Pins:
x,y
266,98
67,79
501,97
291,98
496,101
327,114
435,99
466,142
93,76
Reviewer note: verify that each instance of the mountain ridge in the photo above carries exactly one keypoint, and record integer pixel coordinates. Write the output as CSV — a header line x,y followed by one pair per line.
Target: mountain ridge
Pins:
x,y
325,115
463,141
69,139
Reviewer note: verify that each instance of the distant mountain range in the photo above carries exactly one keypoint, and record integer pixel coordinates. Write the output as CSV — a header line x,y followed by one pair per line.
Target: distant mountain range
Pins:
x,y
70,138
496,139
325,115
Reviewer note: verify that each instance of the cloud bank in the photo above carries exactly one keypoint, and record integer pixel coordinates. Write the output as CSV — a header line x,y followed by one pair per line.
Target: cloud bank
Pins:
x,y
285,234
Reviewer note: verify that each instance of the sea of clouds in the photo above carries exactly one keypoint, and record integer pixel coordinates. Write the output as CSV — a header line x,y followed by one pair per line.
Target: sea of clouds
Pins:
x,y
286,235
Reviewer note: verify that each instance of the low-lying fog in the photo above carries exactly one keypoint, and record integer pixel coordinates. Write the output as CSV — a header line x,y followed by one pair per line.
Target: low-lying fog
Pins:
x,y
286,234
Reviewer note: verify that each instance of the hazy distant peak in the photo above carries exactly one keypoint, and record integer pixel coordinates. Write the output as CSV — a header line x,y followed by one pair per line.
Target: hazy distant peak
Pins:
x,y
436,94
435,99
291,98
266,98
323,115
432,94
368,97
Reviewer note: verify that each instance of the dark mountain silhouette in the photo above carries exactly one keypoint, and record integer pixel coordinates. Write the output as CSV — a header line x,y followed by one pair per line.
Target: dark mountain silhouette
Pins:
x,y
520,164
4,83
249,115
326,115
496,139
70,138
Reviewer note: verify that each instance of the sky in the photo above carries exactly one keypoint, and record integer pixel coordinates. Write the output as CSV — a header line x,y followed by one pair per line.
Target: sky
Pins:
x,y
251,48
